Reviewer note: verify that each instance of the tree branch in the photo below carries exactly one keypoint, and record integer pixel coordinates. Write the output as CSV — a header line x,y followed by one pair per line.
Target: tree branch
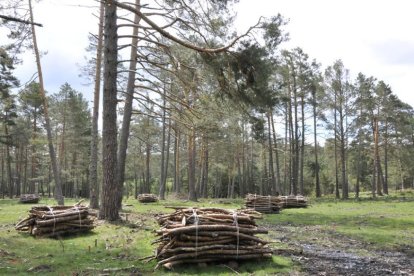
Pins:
x,y
8,18
176,39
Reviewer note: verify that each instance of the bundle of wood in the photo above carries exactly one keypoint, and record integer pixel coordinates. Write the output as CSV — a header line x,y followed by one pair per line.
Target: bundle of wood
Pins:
x,y
29,198
53,221
201,235
147,198
263,204
293,201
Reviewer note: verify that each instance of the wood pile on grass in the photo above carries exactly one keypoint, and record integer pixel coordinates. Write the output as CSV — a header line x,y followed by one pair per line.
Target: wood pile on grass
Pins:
x,y
263,204
203,235
53,221
29,198
293,201
147,198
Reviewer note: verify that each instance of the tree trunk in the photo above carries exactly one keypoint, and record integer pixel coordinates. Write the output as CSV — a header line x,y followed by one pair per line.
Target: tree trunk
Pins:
x,y
302,146
3,183
8,161
162,182
295,174
55,167
109,208
192,196
177,178
126,120
335,146
385,187
276,154
273,185
343,152
315,139
167,153
147,188
93,165
377,158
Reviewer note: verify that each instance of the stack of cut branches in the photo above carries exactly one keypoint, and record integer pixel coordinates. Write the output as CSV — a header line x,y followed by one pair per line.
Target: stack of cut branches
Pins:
x,y
147,198
263,204
293,201
47,221
201,235
29,198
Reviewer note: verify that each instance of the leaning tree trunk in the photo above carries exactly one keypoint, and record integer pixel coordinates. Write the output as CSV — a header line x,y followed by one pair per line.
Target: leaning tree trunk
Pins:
x,y
93,165
126,120
55,167
108,209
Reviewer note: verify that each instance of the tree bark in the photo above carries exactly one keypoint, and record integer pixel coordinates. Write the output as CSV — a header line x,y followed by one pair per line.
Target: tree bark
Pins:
x,y
273,188
8,161
302,146
191,166
108,209
126,121
55,167
315,139
93,165
162,183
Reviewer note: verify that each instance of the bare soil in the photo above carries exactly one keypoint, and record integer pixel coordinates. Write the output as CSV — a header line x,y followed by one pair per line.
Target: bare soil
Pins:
x,y
320,252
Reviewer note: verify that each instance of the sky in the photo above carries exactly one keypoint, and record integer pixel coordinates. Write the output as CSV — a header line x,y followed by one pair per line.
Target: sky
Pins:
x,y
372,37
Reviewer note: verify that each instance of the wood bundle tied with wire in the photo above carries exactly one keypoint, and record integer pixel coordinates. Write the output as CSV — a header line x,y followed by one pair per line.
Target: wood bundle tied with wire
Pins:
x,y
263,204
204,235
54,221
147,198
29,198
293,201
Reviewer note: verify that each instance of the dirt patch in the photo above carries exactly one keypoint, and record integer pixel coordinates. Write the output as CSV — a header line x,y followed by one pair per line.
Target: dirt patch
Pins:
x,y
322,252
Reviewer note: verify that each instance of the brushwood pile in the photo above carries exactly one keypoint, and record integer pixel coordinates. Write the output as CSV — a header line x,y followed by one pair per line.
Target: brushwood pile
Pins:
x,y
205,235
147,198
54,221
273,204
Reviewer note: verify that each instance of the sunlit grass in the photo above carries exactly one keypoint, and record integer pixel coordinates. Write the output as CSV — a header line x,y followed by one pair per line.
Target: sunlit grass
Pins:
x,y
386,222
117,245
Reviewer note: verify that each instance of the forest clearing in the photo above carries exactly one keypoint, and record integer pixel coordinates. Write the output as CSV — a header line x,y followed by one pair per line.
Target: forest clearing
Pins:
x,y
330,237
203,139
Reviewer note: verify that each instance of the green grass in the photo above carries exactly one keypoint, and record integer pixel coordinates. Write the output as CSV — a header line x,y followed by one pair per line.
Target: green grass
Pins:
x,y
118,245
386,223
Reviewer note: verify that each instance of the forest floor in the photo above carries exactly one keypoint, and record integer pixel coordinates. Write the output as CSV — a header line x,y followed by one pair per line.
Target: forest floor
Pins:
x,y
330,237
329,253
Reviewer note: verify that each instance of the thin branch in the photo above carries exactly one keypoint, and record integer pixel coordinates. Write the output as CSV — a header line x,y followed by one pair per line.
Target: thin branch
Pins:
x,y
8,18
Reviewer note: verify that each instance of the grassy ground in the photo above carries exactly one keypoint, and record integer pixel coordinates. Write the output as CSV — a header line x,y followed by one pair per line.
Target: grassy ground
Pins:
x,y
384,223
